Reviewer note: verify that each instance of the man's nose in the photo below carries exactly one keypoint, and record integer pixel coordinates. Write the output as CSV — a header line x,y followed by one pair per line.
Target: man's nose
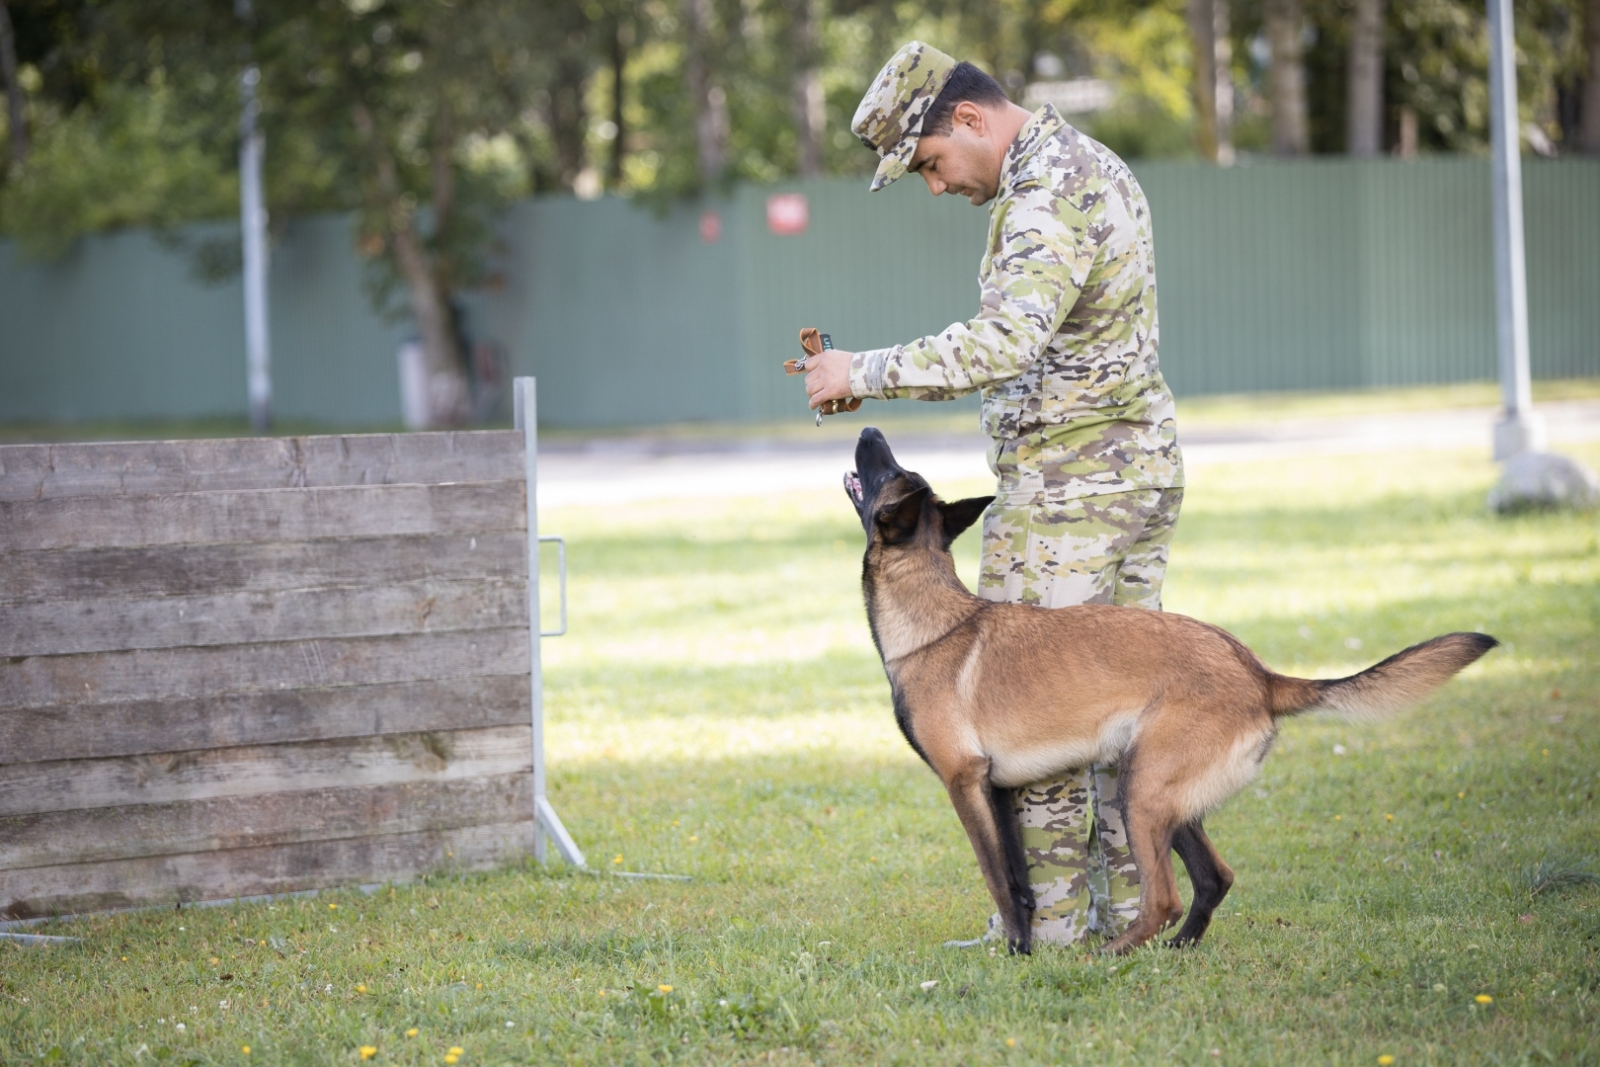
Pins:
x,y
935,186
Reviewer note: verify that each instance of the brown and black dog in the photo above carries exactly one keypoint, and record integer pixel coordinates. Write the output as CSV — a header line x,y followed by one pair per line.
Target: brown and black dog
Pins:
x,y
995,696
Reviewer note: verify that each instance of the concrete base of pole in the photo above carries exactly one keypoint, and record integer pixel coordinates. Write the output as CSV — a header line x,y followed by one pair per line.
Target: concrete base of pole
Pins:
x,y
1542,481
1518,433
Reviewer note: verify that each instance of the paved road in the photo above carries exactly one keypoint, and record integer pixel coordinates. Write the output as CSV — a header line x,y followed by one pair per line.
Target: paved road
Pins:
x,y
618,470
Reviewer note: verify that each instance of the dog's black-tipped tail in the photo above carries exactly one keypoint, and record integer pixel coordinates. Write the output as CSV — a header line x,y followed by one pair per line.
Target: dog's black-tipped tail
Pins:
x,y
1399,681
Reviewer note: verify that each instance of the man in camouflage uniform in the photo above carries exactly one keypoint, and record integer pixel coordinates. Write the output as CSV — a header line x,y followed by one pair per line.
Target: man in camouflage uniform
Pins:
x,y
1063,349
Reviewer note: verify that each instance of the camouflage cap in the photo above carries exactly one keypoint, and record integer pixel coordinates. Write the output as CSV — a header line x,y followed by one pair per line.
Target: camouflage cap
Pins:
x,y
889,120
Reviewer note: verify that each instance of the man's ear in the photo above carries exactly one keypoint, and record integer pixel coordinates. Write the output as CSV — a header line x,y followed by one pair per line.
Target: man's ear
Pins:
x,y
961,514
898,522
970,115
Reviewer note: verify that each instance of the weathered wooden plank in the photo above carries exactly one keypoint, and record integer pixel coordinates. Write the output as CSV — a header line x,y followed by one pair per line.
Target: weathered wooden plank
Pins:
x,y
103,625
53,472
261,515
103,834
244,567
259,770
188,673
141,727
192,877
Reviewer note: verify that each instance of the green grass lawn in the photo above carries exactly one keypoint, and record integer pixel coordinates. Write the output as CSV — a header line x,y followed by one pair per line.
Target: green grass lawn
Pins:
x,y
717,711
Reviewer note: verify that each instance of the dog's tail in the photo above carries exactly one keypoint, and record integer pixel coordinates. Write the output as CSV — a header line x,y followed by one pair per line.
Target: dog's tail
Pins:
x,y
1403,679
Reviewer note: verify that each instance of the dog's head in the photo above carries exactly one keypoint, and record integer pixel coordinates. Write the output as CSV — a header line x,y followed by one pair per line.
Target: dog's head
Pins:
x,y
897,506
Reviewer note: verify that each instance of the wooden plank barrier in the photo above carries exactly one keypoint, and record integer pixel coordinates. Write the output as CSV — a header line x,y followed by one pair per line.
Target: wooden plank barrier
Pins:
x,y
242,667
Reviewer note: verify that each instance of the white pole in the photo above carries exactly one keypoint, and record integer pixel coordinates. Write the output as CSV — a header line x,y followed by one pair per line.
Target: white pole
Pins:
x,y
546,821
1519,430
253,232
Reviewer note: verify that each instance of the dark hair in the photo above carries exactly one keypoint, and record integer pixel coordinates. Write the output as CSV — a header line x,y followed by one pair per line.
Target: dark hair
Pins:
x,y
967,83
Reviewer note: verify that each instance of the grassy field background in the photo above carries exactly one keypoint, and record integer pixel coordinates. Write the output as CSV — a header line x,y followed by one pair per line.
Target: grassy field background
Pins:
x,y
717,711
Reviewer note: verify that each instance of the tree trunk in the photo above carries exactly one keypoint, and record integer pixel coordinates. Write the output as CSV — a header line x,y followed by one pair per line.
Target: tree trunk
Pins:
x,y
1213,79
807,102
8,69
1589,130
1203,88
1291,128
619,63
1364,107
567,115
710,102
449,398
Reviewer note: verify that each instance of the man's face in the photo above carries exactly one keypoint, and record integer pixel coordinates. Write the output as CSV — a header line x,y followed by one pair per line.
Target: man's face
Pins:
x,y
963,162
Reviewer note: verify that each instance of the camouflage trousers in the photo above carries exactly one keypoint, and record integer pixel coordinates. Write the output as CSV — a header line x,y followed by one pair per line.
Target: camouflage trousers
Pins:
x,y
1109,549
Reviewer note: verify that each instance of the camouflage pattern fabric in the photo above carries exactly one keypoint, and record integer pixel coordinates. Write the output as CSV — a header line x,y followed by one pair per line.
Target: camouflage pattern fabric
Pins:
x,y
1109,549
889,118
1064,345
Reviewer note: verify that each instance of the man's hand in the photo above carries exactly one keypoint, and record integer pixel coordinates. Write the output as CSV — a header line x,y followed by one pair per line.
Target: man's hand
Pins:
x,y
828,376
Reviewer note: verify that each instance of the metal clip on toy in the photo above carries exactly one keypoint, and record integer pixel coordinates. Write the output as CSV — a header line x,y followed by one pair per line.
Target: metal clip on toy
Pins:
x,y
815,344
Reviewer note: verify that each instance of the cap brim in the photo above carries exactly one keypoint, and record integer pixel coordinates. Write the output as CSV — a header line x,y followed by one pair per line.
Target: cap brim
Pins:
x,y
893,165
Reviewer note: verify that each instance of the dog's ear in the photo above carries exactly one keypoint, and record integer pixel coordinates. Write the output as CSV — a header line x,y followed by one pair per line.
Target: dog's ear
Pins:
x,y
961,514
898,521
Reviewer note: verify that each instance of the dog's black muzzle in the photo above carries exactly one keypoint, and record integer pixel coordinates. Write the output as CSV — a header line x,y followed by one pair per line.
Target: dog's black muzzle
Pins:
x,y
875,468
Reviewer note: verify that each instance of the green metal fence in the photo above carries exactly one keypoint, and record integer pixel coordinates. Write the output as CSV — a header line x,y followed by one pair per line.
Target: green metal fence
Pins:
x,y
1294,275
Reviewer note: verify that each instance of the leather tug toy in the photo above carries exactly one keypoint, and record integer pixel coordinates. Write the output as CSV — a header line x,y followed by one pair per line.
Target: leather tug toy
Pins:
x,y
815,344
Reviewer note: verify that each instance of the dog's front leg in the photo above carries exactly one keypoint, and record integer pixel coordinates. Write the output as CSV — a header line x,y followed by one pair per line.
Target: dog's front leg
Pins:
x,y
984,813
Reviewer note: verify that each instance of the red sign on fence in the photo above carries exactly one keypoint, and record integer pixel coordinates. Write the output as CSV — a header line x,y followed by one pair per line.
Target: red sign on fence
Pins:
x,y
788,214
710,227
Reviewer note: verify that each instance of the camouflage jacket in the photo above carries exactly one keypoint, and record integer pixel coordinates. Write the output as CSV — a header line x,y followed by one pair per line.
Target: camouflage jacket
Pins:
x,y
1064,344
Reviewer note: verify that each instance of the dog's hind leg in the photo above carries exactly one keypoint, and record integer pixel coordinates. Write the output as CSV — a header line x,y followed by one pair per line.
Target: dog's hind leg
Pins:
x,y
1150,824
1210,877
975,803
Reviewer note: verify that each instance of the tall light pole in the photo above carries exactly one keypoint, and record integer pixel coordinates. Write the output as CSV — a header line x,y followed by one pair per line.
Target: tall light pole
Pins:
x,y
253,231
1519,429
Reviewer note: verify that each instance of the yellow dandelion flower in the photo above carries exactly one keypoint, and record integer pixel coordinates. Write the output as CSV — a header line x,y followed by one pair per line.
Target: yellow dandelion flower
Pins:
x,y
215,960
664,988
602,992
480,985
693,838
617,858
451,1057
361,989
1338,818
1484,998
1385,1060
1461,796
333,907
368,1051
1389,817
412,1032
245,1049
124,959
1011,1042
457,1050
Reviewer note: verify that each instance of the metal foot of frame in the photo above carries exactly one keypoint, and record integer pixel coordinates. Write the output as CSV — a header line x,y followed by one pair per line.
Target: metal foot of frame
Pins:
x,y
548,822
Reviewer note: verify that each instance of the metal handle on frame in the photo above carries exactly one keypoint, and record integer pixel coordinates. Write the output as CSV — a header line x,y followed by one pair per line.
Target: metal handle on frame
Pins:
x,y
561,565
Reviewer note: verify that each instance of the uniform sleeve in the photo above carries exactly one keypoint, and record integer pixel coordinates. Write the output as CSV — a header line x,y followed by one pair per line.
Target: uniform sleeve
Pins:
x,y
1032,281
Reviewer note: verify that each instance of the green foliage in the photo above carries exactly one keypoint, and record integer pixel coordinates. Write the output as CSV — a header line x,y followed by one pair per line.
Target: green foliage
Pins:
x,y
137,158
717,710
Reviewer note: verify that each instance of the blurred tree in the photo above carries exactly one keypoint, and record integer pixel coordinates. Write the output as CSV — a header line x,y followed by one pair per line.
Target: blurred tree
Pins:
x,y
1589,130
1291,134
16,126
1364,86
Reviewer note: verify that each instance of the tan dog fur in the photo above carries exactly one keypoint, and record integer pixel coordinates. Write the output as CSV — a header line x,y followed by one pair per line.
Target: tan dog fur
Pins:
x,y
995,696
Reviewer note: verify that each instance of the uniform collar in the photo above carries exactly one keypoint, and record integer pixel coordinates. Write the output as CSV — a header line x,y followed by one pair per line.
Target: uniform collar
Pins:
x,y
1044,122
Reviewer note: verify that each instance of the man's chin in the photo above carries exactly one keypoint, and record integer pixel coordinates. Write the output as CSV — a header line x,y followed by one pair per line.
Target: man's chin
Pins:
x,y
978,198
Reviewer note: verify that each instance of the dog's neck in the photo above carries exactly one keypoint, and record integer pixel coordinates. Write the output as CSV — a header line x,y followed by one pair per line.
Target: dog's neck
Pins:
x,y
914,598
